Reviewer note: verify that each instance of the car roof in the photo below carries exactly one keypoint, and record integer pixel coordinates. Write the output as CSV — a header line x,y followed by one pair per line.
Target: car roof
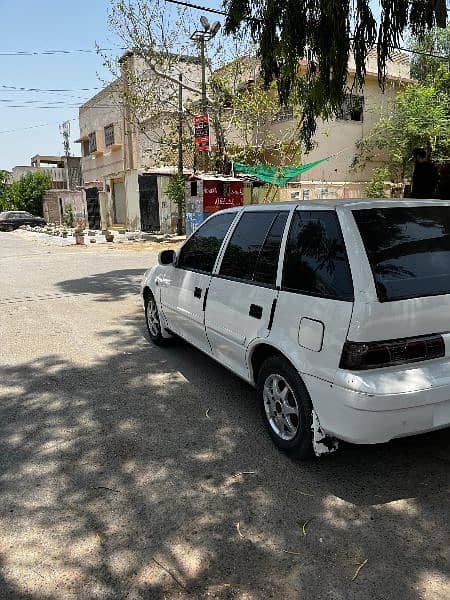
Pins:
x,y
352,204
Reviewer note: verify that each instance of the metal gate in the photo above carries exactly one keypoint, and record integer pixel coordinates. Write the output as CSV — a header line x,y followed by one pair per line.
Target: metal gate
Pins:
x,y
93,208
148,203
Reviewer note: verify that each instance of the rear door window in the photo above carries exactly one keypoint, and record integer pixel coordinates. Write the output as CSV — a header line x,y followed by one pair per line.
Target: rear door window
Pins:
x,y
253,251
199,253
408,250
316,261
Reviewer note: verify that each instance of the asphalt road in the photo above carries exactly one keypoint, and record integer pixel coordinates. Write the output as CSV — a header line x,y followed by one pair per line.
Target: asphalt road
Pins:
x,y
131,472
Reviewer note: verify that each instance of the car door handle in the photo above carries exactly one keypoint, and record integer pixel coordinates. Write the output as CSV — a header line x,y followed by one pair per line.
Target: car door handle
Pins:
x,y
198,292
255,311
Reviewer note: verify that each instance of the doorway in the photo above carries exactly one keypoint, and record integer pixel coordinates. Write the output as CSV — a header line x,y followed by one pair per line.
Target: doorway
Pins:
x,y
148,203
93,208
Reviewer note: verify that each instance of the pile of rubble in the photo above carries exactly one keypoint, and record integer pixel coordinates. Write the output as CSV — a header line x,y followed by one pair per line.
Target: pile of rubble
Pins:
x,y
62,235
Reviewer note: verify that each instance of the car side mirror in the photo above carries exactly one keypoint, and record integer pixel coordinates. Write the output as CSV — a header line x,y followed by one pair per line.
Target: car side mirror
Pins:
x,y
166,257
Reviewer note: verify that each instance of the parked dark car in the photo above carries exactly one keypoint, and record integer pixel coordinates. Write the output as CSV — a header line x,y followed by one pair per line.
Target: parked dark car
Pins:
x,y
13,219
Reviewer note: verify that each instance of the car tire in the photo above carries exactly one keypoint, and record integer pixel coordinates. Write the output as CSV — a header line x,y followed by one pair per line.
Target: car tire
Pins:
x,y
152,321
286,407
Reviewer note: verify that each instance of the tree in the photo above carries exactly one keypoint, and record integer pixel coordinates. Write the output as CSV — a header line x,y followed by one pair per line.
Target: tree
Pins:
x,y
305,45
430,47
248,111
375,189
176,189
27,193
240,112
420,117
3,183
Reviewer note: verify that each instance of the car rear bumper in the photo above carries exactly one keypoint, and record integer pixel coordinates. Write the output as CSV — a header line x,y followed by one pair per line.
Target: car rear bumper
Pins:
x,y
368,418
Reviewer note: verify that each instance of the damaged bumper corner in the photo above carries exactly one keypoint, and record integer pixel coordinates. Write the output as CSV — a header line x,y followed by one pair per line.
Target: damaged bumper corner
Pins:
x,y
322,444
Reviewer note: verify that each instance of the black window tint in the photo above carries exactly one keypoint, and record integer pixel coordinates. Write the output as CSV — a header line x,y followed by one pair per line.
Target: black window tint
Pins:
x,y
242,256
267,263
200,251
316,260
408,250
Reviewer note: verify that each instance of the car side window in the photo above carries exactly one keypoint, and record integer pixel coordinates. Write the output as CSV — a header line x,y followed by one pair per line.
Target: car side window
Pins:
x,y
316,262
199,253
253,251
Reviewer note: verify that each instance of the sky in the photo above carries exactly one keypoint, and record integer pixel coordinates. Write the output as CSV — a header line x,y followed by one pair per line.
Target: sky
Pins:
x,y
26,128
27,25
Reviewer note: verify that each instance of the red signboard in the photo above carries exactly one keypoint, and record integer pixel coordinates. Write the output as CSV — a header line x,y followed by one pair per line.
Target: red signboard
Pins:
x,y
218,195
201,133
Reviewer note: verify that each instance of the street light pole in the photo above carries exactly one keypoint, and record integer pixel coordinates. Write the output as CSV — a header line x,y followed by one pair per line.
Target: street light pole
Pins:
x,y
201,36
203,61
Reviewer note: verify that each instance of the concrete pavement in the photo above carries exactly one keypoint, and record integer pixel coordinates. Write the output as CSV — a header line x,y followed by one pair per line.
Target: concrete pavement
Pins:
x,y
129,471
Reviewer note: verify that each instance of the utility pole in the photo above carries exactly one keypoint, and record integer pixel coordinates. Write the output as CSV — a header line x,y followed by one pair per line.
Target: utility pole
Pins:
x,y
64,129
180,150
201,36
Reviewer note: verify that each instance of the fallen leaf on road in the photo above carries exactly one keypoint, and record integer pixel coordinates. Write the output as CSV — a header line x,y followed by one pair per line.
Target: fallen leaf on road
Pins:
x,y
244,473
305,525
363,564
100,536
239,530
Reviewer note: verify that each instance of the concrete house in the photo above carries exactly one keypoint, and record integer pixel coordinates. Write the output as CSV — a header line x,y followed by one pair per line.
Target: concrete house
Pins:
x,y
66,186
124,179
339,137
65,172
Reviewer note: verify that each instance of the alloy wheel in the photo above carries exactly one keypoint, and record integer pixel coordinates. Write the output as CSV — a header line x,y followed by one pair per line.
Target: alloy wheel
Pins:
x,y
281,407
153,318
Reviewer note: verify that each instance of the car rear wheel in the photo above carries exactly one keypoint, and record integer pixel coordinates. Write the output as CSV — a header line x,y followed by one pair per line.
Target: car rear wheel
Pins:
x,y
285,406
153,322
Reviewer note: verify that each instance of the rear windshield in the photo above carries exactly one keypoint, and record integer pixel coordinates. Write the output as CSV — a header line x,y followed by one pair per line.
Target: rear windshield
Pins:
x,y
408,250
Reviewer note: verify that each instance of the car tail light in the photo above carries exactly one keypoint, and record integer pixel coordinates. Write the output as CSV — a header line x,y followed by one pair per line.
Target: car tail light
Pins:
x,y
373,355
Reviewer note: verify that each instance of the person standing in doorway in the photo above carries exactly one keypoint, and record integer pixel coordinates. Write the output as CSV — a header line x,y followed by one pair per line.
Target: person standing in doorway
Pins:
x,y
443,187
425,175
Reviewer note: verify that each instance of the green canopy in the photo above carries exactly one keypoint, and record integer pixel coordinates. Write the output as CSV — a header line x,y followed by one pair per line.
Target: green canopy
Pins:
x,y
276,175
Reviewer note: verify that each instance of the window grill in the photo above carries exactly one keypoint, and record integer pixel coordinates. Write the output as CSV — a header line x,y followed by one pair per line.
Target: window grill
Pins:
x,y
352,108
92,142
109,135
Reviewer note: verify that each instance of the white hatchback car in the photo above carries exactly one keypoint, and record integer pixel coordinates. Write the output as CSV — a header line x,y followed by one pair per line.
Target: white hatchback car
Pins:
x,y
338,312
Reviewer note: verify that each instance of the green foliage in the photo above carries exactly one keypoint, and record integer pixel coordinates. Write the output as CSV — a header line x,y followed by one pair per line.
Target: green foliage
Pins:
x,y
375,189
420,117
68,218
176,189
432,44
3,184
321,34
249,116
27,193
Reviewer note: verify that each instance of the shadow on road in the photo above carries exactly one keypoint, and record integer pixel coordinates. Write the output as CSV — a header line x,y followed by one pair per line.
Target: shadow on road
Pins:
x,y
118,482
105,287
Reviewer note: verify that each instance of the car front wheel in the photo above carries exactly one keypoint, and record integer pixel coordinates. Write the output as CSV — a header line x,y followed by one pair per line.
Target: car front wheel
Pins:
x,y
285,406
153,322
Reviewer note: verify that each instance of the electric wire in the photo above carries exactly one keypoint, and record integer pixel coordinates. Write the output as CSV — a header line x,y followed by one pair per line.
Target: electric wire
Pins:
x,y
225,14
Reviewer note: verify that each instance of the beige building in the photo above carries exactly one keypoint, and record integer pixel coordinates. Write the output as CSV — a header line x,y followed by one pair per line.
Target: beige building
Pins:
x,y
66,187
125,178
65,172
339,137
336,138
